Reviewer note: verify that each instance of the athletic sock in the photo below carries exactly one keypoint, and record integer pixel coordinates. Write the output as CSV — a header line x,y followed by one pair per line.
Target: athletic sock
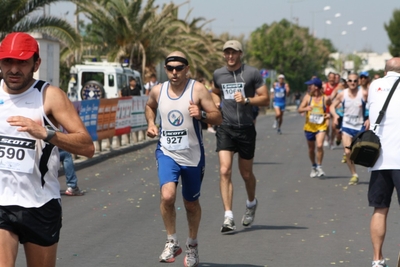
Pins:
x,y
251,204
191,242
229,214
173,237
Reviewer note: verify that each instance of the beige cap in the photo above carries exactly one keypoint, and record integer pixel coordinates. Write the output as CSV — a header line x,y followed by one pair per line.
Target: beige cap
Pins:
x,y
281,76
235,45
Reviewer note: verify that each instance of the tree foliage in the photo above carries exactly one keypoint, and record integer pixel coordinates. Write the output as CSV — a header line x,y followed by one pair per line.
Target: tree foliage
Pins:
x,y
392,29
289,49
22,16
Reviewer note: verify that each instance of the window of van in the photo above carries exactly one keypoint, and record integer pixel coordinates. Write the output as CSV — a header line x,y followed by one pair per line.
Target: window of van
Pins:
x,y
121,81
111,80
92,76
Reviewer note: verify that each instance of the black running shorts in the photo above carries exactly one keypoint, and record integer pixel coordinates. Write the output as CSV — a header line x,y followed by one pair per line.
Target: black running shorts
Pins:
x,y
381,186
241,140
40,226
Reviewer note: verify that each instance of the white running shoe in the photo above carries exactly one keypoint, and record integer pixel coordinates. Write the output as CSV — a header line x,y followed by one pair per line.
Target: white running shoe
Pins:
x,y
380,263
275,124
229,226
250,213
313,172
320,171
192,256
171,250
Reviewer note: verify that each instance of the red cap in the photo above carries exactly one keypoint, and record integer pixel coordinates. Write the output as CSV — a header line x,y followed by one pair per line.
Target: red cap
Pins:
x,y
18,45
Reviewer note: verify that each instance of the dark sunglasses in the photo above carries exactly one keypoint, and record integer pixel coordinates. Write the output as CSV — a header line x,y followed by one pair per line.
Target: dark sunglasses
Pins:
x,y
177,68
351,81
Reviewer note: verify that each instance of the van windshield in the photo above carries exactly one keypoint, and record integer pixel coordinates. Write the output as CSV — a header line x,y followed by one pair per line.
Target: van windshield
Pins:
x,y
92,76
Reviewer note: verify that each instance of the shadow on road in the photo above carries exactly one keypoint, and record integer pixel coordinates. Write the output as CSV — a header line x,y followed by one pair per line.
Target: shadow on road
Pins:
x,y
206,264
271,227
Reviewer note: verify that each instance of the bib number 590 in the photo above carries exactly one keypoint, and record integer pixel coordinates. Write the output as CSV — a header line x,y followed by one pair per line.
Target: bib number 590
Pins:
x,y
12,153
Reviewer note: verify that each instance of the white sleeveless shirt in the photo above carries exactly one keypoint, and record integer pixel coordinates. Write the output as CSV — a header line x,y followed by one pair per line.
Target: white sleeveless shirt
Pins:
x,y
353,110
28,166
180,135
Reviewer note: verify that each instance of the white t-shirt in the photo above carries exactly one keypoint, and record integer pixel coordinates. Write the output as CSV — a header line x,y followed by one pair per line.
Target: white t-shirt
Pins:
x,y
388,130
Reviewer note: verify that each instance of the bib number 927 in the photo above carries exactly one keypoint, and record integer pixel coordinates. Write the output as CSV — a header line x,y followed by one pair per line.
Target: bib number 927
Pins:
x,y
12,153
174,140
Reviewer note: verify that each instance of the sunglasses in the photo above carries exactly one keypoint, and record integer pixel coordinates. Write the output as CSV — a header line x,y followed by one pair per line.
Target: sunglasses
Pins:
x,y
177,68
352,81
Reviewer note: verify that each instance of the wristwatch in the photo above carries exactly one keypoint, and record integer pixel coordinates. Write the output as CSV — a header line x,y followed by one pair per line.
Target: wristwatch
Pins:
x,y
246,101
50,133
203,115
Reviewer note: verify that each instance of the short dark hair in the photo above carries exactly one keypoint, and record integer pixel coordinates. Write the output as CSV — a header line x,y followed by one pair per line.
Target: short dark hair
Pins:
x,y
132,79
35,57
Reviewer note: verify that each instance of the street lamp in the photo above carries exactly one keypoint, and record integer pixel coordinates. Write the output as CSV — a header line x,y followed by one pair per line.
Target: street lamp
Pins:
x,y
326,8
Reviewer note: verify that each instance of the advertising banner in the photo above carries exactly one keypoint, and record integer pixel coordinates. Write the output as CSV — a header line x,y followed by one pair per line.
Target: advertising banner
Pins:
x,y
123,119
106,118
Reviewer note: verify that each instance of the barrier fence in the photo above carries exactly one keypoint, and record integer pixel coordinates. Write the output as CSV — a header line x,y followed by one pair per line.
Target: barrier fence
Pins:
x,y
114,122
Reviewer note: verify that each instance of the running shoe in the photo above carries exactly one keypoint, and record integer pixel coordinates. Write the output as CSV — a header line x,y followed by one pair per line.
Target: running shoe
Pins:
x,y
320,171
275,124
338,142
353,180
229,226
249,215
73,191
192,256
211,130
279,131
326,143
313,172
171,250
380,263
344,159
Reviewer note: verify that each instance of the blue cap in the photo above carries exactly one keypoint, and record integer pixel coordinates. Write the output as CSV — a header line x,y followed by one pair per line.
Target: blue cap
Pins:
x,y
315,81
364,73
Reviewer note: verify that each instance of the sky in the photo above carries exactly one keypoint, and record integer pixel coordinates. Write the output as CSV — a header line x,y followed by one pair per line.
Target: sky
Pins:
x,y
352,25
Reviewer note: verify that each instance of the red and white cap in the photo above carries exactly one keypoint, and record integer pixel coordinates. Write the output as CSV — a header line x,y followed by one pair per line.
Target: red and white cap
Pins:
x,y
18,45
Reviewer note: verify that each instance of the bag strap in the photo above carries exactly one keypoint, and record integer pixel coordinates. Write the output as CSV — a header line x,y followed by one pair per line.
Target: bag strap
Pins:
x,y
383,110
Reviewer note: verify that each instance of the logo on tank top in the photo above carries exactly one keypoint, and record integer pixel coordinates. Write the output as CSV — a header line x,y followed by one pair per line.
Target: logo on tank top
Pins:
x,y
175,117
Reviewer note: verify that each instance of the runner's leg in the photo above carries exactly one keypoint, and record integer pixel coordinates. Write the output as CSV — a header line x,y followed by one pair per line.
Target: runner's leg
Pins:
x,y
8,248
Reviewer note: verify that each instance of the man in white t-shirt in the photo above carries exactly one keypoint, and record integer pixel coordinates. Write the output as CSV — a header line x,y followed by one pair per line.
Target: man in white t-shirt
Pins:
x,y
385,174
153,81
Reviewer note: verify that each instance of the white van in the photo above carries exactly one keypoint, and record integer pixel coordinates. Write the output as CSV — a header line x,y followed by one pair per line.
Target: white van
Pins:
x,y
95,80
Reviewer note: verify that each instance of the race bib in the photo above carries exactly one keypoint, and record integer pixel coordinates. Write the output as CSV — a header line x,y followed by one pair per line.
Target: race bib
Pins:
x,y
316,118
175,139
230,89
353,120
17,154
279,94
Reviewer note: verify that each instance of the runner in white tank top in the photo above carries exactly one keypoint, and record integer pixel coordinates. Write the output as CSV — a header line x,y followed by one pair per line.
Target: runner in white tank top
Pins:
x,y
353,118
182,103
30,207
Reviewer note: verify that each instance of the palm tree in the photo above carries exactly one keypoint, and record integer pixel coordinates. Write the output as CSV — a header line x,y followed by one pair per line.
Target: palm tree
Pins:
x,y
20,16
127,29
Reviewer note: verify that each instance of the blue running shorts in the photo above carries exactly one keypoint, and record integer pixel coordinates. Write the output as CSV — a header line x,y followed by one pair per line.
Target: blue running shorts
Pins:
x,y
170,171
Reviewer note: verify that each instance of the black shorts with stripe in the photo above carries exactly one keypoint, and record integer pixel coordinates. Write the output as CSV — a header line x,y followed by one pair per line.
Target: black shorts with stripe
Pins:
x,y
40,226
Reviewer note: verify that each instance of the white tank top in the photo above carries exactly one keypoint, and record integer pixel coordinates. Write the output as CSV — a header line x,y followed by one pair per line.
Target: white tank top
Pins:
x,y
28,166
353,110
180,135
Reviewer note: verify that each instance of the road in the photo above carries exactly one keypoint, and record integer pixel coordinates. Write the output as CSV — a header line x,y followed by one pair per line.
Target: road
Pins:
x,y
301,221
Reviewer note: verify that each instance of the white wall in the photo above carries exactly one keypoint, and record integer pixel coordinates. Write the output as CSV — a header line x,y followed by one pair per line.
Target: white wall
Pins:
x,y
49,50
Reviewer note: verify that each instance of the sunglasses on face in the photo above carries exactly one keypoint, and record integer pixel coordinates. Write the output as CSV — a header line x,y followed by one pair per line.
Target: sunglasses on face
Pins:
x,y
352,81
177,68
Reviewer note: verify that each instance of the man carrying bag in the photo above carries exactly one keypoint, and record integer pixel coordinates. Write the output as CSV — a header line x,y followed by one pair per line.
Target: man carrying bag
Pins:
x,y
385,172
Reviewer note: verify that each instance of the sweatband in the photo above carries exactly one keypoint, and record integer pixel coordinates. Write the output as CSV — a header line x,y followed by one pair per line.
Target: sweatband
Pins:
x,y
176,58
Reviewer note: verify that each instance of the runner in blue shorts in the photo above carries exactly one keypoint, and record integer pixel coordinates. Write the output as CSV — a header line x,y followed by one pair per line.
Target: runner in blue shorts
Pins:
x,y
281,90
183,104
353,101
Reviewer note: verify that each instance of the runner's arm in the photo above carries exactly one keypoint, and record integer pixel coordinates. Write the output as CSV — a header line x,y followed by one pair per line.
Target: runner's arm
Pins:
x,y
61,111
304,104
206,103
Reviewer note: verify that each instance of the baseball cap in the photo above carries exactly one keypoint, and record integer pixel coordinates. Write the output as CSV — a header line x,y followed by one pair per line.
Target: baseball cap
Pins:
x,y
235,45
18,45
315,81
364,73
281,76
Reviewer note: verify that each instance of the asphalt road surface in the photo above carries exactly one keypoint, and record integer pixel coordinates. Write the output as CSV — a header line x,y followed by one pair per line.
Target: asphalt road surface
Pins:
x,y
300,221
